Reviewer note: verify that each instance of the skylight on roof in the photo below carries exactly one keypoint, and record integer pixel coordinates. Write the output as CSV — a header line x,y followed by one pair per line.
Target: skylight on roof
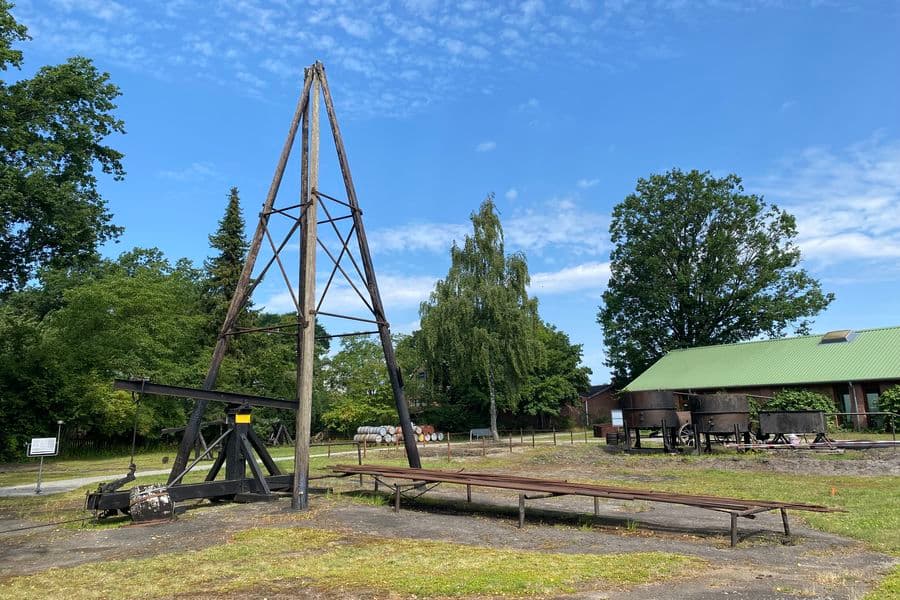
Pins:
x,y
840,335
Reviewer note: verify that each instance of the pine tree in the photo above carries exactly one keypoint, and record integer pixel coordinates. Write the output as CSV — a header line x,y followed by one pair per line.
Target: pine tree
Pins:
x,y
224,269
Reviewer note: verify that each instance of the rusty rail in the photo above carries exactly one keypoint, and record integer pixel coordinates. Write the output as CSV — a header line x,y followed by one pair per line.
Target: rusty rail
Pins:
x,y
736,507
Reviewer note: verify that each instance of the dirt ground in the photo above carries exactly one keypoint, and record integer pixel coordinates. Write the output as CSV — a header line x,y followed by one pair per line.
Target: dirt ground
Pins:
x,y
814,564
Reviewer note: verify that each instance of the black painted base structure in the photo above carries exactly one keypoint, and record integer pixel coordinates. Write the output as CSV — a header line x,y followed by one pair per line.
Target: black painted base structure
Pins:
x,y
238,449
237,490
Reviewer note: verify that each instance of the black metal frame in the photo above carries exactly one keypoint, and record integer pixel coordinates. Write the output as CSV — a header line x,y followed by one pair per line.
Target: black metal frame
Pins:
x,y
238,448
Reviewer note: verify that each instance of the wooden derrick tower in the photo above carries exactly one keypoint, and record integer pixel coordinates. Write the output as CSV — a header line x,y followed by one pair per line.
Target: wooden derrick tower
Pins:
x,y
349,262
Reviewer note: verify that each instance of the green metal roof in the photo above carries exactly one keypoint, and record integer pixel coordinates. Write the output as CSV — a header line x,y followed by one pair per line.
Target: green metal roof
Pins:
x,y
872,354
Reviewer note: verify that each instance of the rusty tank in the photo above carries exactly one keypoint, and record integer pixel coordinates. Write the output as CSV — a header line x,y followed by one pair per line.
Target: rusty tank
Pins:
x,y
650,410
720,413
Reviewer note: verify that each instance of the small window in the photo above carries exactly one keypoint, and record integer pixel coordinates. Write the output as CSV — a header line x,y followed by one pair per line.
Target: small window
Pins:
x,y
838,336
872,401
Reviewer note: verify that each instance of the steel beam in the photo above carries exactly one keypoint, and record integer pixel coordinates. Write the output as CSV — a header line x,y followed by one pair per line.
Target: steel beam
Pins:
x,y
158,389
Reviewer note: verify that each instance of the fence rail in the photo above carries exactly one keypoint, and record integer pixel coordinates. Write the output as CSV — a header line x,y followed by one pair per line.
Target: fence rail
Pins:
x,y
511,438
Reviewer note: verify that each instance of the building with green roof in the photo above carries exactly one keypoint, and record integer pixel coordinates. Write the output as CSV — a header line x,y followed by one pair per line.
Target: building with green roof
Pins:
x,y
852,367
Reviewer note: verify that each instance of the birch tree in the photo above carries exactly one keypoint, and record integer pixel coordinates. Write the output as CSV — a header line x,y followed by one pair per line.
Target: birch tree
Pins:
x,y
479,325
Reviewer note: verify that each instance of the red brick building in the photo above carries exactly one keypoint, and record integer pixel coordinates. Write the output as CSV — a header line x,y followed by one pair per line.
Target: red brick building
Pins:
x,y
595,403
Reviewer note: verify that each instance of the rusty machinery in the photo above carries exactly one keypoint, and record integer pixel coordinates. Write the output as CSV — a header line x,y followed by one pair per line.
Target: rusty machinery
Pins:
x,y
682,419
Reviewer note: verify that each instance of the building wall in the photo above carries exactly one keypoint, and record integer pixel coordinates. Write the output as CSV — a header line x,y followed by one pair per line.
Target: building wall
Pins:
x,y
599,406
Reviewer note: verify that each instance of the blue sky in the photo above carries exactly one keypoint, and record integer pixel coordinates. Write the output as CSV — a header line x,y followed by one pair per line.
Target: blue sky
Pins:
x,y
556,107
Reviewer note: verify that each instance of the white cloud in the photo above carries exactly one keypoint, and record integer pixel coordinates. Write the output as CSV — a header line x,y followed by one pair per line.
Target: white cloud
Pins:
x,y
105,10
586,276
251,79
587,183
847,201
278,303
511,194
280,68
356,27
196,171
529,105
486,146
443,47
406,328
580,5
205,48
398,292
856,245
559,224
431,237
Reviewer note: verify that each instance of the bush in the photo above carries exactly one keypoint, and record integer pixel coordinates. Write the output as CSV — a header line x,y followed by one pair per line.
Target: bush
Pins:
x,y
889,401
799,400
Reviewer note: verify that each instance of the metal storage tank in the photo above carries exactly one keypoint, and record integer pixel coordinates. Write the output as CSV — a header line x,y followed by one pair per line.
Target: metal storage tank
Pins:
x,y
720,413
649,409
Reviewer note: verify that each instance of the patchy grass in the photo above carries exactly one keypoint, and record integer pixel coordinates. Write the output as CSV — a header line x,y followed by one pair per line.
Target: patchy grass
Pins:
x,y
871,501
65,506
888,589
300,557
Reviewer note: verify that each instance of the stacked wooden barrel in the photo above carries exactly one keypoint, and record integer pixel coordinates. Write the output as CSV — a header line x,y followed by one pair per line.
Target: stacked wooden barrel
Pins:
x,y
393,434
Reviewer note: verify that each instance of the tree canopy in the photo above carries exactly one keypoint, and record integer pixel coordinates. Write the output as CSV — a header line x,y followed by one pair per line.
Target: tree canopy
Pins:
x,y
136,316
52,132
478,326
696,261
358,389
557,378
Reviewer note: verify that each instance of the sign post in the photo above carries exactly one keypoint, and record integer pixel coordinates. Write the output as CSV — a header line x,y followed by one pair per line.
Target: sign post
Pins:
x,y
616,417
42,447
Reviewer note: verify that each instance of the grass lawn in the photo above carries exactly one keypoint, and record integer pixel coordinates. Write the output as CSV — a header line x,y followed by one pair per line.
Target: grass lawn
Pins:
x,y
66,468
259,559
872,502
888,589
274,558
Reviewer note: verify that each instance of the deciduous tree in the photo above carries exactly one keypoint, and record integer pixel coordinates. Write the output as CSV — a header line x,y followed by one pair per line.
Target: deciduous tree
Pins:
x,y
358,389
696,261
52,132
557,377
479,325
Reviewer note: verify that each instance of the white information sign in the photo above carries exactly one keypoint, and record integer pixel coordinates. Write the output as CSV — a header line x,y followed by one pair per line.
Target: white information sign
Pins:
x,y
617,420
42,447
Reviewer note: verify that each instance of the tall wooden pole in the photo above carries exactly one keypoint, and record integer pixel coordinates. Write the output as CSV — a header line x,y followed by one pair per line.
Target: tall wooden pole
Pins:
x,y
306,330
239,299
